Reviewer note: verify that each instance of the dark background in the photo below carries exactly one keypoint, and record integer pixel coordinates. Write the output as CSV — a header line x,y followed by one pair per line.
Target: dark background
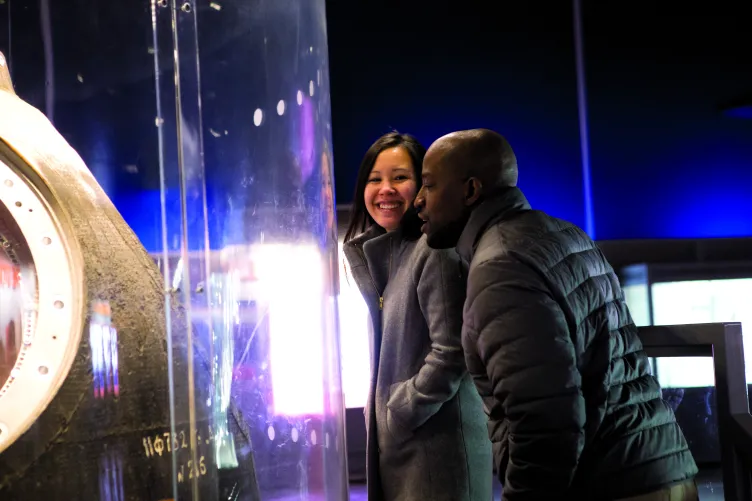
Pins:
x,y
665,162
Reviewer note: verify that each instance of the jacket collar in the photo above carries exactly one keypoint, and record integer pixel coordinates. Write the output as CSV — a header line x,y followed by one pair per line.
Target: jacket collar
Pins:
x,y
504,204
374,231
375,250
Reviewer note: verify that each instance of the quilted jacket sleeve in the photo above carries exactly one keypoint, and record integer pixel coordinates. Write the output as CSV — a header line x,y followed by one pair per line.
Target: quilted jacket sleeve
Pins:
x,y
441,294
521,337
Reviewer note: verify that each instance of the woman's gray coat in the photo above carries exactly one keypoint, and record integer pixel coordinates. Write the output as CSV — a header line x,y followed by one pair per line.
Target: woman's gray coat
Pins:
x,y
427,432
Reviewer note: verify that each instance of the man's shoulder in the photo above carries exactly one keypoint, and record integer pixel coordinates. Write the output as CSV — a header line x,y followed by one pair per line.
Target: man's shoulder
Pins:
x,y
534,241
536,226
503,240
532,237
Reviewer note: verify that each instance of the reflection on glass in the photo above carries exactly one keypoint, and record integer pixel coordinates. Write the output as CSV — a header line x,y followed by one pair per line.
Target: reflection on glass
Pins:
x,y
104,351
111,476
224,320
17,294
327,197
10,315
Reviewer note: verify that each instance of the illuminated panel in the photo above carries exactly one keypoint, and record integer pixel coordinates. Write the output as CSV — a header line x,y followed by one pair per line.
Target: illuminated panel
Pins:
x,y
45,294
695,302
291,280
353,328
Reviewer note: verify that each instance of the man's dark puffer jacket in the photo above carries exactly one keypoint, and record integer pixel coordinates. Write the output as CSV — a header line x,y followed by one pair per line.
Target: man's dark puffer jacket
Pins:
x,y
573,410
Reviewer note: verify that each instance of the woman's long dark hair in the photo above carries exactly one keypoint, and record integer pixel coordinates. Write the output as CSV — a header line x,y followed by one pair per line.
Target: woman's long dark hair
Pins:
x,y
360,219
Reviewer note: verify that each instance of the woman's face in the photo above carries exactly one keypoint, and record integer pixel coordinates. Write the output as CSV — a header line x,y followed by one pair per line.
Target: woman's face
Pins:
x,y
391,187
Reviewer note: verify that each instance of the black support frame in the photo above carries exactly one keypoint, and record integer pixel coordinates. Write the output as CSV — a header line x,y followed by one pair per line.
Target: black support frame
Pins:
x,y
723,342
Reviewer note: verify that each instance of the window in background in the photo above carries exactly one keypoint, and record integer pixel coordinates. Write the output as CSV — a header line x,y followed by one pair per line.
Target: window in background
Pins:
x,y
692,302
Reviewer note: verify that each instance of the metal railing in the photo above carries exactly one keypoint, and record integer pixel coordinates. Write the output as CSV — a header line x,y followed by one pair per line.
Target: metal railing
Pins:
x,y
723,342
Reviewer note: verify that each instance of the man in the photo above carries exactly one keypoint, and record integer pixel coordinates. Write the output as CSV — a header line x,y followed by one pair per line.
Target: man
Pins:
x,y
573,410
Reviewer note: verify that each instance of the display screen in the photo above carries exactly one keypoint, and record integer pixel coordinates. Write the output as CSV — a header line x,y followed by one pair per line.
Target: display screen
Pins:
x,y
17,294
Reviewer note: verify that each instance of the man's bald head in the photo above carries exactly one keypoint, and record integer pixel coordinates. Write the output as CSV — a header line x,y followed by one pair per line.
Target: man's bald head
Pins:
x,y
460,170
479,153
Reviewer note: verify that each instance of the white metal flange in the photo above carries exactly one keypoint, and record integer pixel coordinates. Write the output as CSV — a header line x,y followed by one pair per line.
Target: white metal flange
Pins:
x,y
51,332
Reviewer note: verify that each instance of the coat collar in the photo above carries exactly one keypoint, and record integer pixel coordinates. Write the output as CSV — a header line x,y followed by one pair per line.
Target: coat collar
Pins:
x,y
374,251
506,203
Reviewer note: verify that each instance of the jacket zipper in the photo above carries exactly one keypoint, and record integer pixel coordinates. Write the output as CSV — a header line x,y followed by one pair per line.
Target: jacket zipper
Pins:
x,y
381,298
389,272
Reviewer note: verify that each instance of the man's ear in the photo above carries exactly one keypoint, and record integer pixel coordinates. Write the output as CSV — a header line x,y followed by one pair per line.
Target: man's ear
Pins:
x,y
473,190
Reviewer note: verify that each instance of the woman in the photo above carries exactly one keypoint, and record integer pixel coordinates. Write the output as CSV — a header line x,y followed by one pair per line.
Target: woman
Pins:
x,y
427,435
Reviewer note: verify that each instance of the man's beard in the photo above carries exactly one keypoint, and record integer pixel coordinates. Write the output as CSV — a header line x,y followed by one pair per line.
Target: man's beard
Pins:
x,y
448,235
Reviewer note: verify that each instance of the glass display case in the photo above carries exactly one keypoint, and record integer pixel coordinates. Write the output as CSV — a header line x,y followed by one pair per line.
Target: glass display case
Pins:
x,y
168,253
